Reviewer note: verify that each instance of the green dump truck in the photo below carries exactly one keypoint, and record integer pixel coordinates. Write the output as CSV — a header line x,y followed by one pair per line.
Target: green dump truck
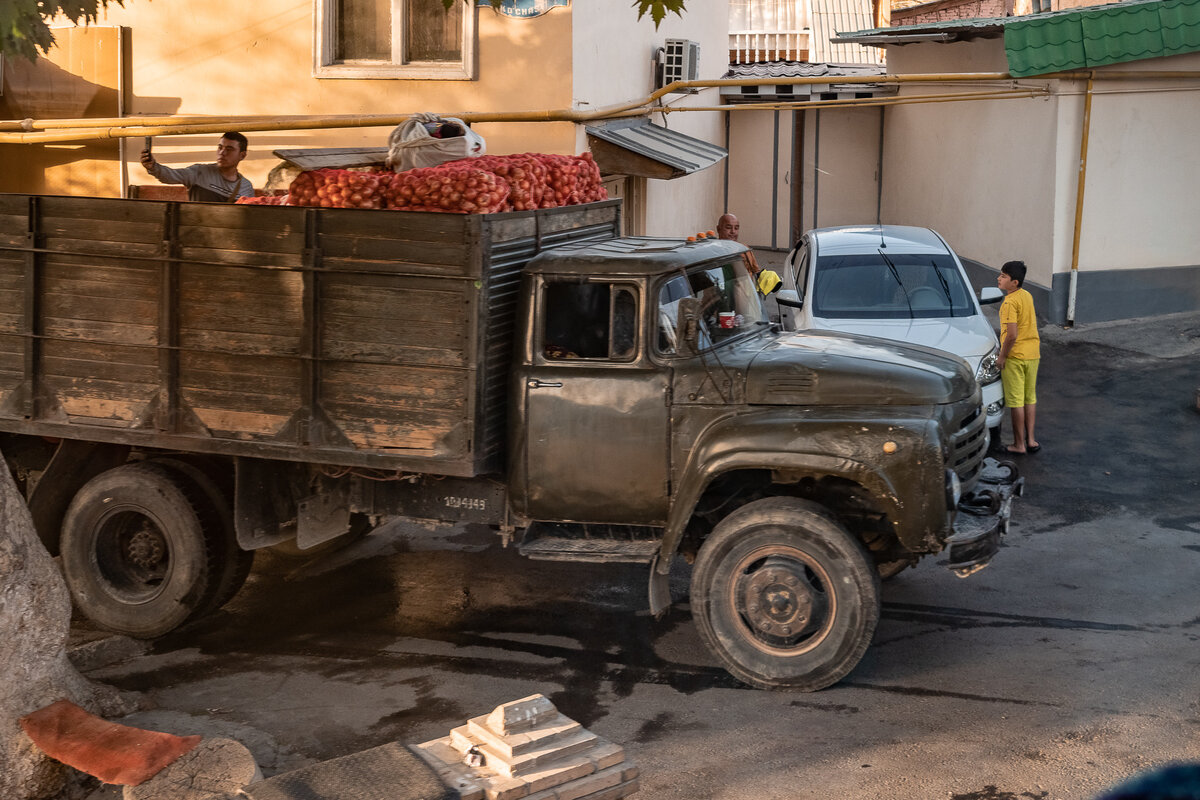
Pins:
x,y
184,383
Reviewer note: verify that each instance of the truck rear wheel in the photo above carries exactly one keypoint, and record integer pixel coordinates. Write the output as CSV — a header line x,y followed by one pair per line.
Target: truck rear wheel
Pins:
x,y
140,555
233,566
785,596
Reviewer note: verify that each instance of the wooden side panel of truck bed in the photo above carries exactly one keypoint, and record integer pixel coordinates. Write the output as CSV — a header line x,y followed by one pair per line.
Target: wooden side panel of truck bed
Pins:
x,y
360,338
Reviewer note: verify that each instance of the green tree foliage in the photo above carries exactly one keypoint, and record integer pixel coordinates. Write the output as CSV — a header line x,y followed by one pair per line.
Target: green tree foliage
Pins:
x,y
24,28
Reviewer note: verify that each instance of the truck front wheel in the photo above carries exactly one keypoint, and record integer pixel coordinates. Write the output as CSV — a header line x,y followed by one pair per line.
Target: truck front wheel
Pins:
x,y
785,596
139,555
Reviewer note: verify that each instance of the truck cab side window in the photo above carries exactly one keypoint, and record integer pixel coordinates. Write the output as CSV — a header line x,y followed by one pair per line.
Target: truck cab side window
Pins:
x,y
589,321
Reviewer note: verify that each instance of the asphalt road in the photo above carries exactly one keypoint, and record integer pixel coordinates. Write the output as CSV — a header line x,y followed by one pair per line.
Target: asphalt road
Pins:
x,y
1070,663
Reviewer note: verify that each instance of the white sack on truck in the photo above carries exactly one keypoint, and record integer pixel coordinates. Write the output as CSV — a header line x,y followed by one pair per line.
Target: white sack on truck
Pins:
x,y
427,140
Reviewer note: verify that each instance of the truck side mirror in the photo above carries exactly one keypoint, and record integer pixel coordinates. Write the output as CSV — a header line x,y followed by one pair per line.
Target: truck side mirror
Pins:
x,y
989,295
687,324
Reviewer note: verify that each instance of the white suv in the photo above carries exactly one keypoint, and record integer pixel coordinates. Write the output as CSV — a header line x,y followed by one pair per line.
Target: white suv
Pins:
x,y
893,282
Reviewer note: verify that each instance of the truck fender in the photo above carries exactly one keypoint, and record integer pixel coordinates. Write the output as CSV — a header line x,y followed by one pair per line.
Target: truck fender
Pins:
x,y
776,440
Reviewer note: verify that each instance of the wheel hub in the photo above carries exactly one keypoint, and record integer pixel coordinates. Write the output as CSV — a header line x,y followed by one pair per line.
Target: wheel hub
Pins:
x,y
145,548
778,601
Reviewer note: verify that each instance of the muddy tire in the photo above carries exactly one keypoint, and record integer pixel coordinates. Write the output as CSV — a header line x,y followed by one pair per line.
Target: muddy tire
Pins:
x,y
138,550
233,565
785,596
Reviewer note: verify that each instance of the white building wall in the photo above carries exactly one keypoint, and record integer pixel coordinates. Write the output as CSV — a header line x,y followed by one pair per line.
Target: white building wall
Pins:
x,y
612,64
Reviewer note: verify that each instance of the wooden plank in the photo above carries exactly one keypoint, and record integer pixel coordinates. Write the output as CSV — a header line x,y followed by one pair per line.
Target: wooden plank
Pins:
x,y
395,307
416,257
82,369
10,323
392,386
133,358
242,343
246,258
242,402
243,317
280,219
446,336
259,376
83,389
90,278
148,232
273,240
412,226
392,354
228,281
118,310
92,247
335,284
240,425
99,331
100,208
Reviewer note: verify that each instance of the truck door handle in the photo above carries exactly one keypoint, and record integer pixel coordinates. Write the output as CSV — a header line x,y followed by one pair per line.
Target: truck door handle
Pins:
x,y
534,383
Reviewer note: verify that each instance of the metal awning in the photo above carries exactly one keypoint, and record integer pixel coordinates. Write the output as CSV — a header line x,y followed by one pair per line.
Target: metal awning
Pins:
x,y
334,157
639,147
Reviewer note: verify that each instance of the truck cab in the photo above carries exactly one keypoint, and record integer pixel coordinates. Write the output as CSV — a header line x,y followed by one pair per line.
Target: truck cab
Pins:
x,y
651,393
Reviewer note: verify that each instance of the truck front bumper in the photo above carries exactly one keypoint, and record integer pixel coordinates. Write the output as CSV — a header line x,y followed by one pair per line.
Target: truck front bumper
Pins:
x,y
981,519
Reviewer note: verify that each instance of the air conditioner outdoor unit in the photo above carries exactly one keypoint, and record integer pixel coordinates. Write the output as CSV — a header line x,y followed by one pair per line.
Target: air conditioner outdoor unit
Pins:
x,y
678,60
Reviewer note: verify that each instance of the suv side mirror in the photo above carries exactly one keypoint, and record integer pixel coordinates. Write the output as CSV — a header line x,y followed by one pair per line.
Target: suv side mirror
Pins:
x,y
790,298
790,302
990,294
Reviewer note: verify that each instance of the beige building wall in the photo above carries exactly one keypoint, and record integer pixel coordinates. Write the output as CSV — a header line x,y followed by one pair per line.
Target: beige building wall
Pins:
x,y
228,57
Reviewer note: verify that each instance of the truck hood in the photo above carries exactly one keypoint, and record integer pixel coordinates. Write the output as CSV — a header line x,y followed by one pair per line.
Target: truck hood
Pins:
x,y
970,337
827,368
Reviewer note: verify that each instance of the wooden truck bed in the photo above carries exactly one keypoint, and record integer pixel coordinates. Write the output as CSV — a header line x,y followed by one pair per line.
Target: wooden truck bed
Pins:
x,y
362,338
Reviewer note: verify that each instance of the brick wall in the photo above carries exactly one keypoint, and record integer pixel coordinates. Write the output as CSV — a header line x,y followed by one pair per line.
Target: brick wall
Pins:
x,y
951,10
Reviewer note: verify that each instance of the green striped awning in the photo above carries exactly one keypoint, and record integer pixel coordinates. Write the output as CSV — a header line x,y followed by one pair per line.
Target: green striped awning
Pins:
x,y
1099,35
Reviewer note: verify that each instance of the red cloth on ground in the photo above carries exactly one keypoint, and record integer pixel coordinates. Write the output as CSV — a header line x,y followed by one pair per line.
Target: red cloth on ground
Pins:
x,y
108,751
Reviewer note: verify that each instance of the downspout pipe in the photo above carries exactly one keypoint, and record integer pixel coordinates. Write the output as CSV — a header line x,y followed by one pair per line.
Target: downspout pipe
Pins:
x,y
1083,153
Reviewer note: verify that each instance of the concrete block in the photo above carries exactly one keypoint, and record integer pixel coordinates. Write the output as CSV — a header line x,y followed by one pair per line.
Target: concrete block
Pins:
x,y
521,715
213,770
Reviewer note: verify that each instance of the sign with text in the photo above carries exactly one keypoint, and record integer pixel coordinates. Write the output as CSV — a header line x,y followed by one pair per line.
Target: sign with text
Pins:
x,y
524,8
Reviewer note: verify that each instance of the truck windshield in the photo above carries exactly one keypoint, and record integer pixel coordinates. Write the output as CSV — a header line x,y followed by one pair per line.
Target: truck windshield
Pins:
x,y
721,300
900,286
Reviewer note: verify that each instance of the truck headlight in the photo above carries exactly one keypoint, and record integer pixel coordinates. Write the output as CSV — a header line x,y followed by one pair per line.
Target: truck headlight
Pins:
x,y
988,370
953,490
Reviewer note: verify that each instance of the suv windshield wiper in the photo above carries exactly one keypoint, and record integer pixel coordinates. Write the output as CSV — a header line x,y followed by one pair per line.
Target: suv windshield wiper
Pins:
x,y
945,286
896,274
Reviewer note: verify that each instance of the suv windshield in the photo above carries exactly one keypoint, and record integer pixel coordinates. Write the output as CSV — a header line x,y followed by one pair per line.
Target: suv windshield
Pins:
x,y
719,302
912,286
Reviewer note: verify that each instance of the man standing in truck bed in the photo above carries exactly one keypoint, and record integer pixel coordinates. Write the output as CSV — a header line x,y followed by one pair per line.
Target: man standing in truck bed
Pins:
x,y
213,183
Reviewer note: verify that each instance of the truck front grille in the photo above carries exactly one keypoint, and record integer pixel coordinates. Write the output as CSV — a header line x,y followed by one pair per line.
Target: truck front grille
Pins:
x,y
968,445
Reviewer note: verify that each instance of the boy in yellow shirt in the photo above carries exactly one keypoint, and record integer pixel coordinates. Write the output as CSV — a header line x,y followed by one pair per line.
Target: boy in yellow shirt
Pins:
x,y
1020,352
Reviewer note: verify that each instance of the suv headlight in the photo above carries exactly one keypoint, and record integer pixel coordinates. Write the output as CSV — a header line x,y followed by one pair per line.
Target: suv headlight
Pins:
x,y
988,370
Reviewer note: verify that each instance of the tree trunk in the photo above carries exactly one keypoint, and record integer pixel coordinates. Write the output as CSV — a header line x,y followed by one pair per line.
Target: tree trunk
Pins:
x,y
35,620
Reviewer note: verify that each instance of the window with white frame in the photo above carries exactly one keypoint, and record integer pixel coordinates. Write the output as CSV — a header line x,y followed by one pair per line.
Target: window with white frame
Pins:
x,y
416,39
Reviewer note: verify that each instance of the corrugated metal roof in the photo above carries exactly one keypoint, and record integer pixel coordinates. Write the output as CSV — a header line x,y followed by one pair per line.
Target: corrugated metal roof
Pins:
x,y
803,92
1110,34
1076,38
828,18
682,153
